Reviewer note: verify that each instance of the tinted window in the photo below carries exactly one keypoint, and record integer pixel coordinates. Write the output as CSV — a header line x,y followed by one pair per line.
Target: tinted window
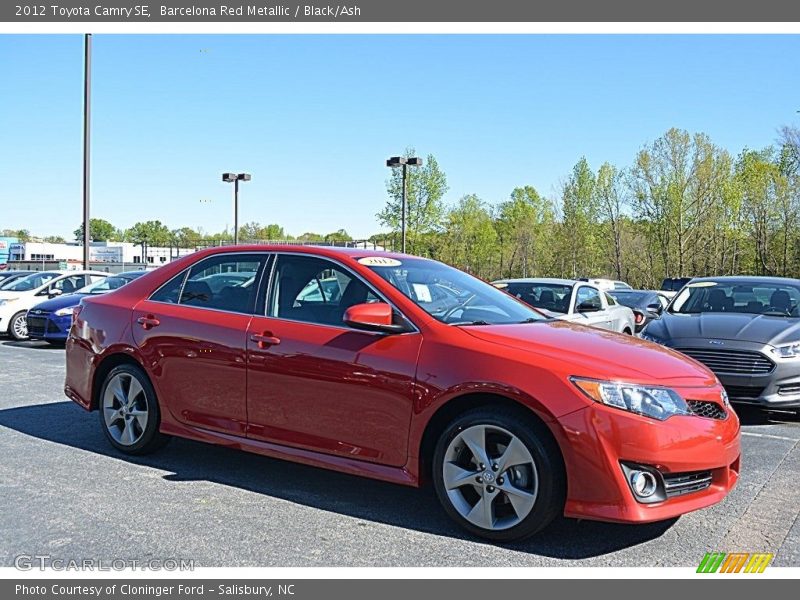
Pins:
x,y
69,285
223,282
475,302
588,296
170,291
549,296
634,299
315,290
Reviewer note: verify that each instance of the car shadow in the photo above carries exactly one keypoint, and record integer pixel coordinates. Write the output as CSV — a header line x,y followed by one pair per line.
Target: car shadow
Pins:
x,y
396,505
757,415
32,345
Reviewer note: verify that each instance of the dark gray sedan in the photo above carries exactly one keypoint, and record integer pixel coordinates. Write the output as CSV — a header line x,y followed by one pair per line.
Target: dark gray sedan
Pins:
x,y
745,329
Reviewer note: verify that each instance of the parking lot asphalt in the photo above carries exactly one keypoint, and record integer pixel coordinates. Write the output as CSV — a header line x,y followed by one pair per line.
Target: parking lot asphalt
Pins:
x,y
67,493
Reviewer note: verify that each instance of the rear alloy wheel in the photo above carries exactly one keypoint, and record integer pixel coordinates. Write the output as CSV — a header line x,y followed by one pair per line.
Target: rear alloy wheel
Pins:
x,y
498,474
129,411
18,327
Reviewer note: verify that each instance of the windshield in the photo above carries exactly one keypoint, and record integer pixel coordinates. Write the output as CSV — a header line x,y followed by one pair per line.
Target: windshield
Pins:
x,y
549,296
773,299
450,295
107,284
30,282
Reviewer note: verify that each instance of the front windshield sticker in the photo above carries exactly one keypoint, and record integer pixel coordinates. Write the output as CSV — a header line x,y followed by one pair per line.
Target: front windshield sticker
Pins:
x,y
379,261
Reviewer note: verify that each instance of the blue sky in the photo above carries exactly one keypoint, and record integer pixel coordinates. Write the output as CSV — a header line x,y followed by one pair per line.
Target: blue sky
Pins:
x,y
314,117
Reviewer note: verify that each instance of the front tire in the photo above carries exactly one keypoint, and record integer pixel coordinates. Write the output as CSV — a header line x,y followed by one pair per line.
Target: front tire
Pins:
x,y
499,474
18,327
129,412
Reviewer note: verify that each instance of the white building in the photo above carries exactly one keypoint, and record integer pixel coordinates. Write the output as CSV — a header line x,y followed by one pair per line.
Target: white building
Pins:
x,y
117,256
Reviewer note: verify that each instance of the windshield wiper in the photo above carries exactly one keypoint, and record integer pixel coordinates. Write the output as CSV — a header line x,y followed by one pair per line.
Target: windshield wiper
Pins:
x,y
479,322
532,320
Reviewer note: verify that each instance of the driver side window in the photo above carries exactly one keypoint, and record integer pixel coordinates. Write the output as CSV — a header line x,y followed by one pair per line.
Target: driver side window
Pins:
x,y
588,297
314,290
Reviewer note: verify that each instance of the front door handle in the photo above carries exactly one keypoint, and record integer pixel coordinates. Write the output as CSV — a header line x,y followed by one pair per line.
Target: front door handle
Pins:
x,y
148,322
265,339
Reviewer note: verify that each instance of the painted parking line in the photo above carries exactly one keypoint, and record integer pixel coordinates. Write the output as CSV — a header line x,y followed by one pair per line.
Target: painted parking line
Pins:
x,y
769,436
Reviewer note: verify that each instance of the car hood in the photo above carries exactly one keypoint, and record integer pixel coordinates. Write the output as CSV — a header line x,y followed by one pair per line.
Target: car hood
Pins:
x,y
9,294
761,329
60,302
591,352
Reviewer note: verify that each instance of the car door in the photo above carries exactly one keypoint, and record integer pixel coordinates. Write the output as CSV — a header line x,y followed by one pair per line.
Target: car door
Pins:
x,y
193,341
314,382
596,312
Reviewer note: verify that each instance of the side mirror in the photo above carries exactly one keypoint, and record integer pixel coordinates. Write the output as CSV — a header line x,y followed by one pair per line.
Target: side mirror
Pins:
x,y
54,293
373,316
655,308
585,307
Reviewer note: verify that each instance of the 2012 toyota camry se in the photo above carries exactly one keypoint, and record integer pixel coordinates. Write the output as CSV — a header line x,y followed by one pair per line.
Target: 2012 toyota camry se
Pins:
x,y
404,370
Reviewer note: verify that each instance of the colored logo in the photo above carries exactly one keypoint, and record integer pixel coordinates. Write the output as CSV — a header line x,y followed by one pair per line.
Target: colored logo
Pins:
x,y
735,562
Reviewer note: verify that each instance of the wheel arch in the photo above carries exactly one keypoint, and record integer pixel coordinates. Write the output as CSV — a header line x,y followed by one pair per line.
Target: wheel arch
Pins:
x,y
462,403
105,366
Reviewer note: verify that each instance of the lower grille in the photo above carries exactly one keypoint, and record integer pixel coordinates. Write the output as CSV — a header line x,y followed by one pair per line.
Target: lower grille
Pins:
x,y
36,325
52,328
742,392
709,410
731,362
679,484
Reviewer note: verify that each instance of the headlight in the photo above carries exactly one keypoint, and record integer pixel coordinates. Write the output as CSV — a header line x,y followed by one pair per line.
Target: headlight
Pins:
x,y
7,301
651,401
646,336
63,312
787,350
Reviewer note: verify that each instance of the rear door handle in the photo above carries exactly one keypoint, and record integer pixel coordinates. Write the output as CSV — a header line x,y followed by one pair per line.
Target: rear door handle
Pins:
x,y
265,339
148,322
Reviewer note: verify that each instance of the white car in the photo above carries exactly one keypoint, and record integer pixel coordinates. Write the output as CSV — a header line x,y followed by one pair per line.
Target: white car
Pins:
x,y
607,285
574,301
23,294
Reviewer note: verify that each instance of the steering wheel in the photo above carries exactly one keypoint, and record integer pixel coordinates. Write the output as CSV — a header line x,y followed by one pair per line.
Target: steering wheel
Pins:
x,y
461,306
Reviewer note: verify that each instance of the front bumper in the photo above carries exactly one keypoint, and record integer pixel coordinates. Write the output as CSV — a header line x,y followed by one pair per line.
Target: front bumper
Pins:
x,y
599,439
48,326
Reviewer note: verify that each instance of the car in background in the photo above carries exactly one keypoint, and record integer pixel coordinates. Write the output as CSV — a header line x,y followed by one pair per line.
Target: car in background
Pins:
x,y
217,281
672,285
6,277
572,300
606,284
50,320
24,293
516,418
745,329
646,305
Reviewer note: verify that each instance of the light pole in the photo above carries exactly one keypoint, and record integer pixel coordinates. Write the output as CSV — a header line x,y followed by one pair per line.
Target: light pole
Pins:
x,y
402,161
87,105
235,178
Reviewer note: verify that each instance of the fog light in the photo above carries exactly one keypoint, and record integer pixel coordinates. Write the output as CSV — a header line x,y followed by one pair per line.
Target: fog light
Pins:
x,y
643,483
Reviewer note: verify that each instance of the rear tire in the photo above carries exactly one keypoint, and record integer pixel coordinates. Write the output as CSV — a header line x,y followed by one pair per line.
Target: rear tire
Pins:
x,y
129,411
18,327
522,485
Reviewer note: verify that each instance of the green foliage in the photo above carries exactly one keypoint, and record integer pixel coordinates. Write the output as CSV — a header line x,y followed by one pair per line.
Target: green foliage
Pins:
x,y
153,233
426,187
100,230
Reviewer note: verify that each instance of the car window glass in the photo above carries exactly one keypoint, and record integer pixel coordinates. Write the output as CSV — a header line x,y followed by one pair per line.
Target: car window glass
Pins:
x,y
776,300
588,297
68,285
223,282
549,296
610,300
31,282
315,290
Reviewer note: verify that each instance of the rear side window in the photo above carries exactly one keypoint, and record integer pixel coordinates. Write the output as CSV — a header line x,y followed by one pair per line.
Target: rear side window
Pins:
x,y
224,282
588,297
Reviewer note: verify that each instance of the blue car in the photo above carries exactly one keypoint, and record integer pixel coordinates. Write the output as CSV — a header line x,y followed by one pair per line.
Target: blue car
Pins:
x,y
50,321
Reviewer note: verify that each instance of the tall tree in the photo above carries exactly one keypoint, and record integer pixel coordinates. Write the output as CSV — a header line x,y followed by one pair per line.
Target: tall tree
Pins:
x,y
100,230
426,187
153,233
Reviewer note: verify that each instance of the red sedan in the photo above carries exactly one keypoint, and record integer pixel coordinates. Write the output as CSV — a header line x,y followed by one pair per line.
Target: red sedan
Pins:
x,y
403,369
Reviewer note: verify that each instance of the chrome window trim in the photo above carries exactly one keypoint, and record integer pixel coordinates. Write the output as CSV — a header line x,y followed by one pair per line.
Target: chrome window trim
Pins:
x,y
347,269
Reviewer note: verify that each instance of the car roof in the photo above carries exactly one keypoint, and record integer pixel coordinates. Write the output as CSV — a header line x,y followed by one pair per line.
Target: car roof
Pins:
x,y
543,280
751,279
329,251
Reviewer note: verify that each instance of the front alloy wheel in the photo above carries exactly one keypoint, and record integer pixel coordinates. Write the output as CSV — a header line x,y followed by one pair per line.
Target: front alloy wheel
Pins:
x,y
499,474
18,327
129,411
